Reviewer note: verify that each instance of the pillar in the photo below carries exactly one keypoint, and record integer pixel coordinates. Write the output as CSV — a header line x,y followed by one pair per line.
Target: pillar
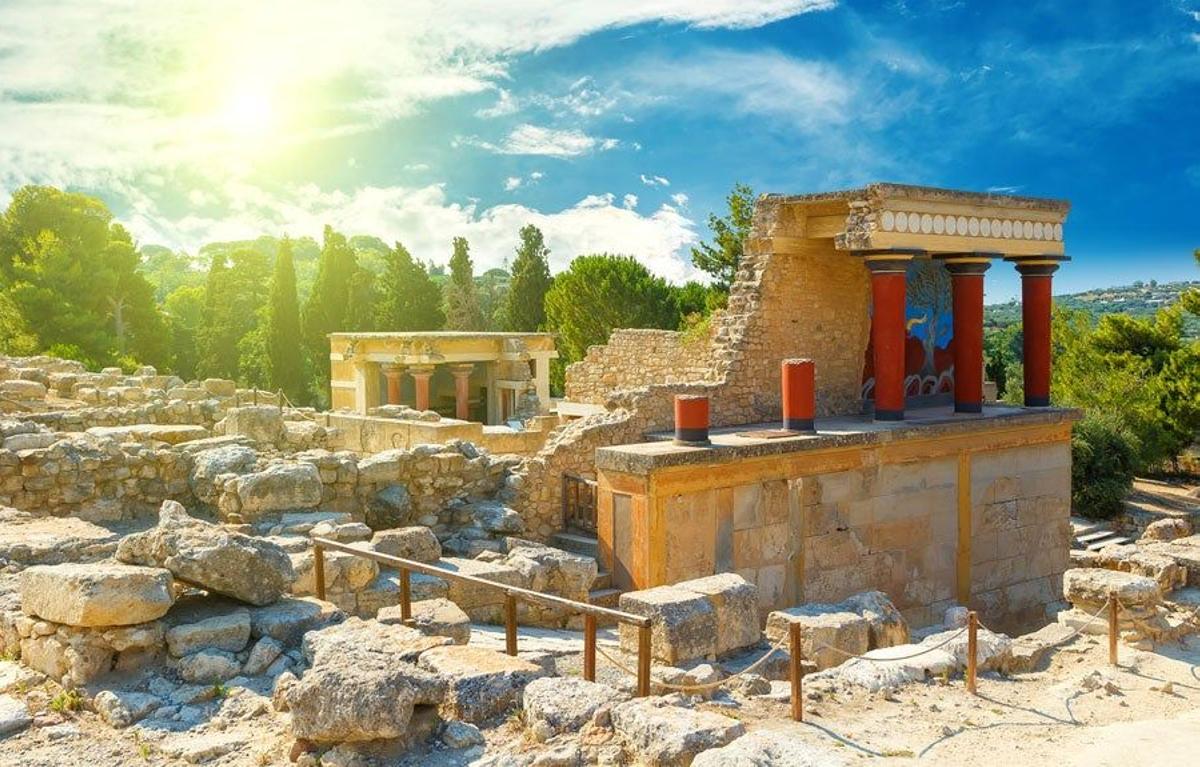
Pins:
x,y
393,374
691,419
462,390
1036,304
798,394
541,379
966,275
421,375
888,284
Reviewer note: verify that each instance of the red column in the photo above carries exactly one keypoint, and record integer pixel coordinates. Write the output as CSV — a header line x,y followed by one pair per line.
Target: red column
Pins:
x,y
462,379
967,281
691,419
887,332
421,378
393,373
1036,304
799,399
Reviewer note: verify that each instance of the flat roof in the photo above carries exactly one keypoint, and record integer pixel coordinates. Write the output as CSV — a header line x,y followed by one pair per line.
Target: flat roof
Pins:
x,y
888,190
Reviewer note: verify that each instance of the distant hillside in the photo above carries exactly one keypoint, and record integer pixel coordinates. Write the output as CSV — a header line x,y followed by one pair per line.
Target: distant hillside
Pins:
x,y
1141,299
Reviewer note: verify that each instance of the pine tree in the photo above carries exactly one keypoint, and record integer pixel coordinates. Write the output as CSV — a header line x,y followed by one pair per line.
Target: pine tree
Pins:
x,y
325,311
218,335
462,300
407,300
721,258
283,340
525,304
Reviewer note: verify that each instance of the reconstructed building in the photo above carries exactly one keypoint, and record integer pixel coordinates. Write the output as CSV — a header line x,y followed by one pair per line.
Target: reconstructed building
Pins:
x,y
911,482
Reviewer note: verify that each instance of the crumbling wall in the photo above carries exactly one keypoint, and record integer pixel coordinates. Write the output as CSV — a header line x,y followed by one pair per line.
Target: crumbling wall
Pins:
x,y
633,358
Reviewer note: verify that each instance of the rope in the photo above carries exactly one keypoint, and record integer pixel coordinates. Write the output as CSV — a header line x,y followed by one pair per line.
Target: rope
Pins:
x,y
852,656
699,687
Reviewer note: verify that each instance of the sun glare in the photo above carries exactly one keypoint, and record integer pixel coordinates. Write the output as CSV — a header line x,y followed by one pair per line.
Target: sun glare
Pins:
x,y
247,111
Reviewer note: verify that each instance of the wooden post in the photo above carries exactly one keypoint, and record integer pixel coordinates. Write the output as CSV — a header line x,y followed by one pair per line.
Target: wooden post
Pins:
x,y
1113,629
510,624
797,671
589,647
972,649
405,594
319,570
643,661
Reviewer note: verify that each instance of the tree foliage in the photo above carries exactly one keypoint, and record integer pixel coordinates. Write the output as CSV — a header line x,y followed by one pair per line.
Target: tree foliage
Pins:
x,y
284,351
1103,460
525,307
601,292
408,299
327,307
236,294
721,257
462,300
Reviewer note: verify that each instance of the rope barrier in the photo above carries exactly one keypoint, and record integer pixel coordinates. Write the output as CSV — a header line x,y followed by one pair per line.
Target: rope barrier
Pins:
x,y
706,685
852,656
1078,630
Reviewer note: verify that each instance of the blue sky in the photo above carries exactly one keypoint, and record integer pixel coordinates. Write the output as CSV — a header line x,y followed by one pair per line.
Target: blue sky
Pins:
x,y
613,126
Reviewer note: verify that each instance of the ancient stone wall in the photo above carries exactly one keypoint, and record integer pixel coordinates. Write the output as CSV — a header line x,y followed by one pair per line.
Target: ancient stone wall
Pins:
x,y
634,358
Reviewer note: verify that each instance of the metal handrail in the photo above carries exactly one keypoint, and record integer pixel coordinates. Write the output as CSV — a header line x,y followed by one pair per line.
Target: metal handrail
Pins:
x,y
511,595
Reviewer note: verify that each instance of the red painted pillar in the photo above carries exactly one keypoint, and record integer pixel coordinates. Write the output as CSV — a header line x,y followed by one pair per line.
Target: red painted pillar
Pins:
x,y
421,378
393,373
1036,304
966,276
887,332
798,394
691,419
462,378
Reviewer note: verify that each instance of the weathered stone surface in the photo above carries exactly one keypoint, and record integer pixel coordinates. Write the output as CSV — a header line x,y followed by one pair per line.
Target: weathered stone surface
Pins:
x,y
343,572
208,465
248,569
462,735
942,653
207,666
469,596
683,623
391,505
417,543
830,633
149,432
29,540
435,617
261,424
96,594
565,704
495,517
1029,650
1132,558
262,655
1091,587
14,676
228,632
1185,552
121,709
735,601
1167,530
352,698
768,748
289,619
671,736
399,642
887,626
282,487
481,683
14,715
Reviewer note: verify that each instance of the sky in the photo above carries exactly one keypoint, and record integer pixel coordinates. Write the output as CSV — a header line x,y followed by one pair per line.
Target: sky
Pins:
x,y
614,126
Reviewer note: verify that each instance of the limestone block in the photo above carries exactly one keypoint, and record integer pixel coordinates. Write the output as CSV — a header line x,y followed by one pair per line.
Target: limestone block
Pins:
x,y
400,642
886,625
830,633
121,709
229,632
671,736
282,487
96,594
261,423
1165,571
219,387
735,602
557,705
348,698
683,623
1165,530
770,747
469,596
289,619
481,683
435,617
1089,588
417,543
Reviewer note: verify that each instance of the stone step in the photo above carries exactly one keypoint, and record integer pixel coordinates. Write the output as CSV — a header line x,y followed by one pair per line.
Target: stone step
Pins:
x,y
1095,536
608,597
577,544
603,580
1114,540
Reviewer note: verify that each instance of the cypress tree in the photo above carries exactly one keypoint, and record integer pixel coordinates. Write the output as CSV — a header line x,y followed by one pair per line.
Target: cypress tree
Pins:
x,y
462,300
525,304
408,300
219,335
284,350
325,311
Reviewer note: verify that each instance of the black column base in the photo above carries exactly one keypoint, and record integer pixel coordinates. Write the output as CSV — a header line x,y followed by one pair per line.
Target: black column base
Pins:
x,y
799,424
968,407
692,437
889,415
1036,401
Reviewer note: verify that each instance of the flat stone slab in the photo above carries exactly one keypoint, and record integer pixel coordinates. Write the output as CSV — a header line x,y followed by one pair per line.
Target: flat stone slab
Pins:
x,y
565,704
398,642
435,617
768,747
229,632
683,623
671,736
96,594
1091,586
28,540
481,683
147,432
14,715
289,619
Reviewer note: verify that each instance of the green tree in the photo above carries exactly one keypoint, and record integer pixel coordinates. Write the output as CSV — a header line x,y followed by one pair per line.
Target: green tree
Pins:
x,y
1103,459
525,305
601,292
15,337
462,300
282,338
72,273
408,299
327,308
236,293
184,310
721,257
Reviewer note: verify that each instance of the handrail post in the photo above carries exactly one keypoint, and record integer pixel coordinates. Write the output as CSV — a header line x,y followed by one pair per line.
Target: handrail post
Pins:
x,y
589,647
1113,629
319,569
797,670
972,649
643,660
510,623
405,595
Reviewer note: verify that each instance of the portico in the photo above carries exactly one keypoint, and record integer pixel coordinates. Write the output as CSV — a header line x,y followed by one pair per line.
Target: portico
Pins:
x,y
485,377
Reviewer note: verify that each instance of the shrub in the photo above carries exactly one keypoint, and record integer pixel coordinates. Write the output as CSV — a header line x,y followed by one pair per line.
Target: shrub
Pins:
x,y
1103,457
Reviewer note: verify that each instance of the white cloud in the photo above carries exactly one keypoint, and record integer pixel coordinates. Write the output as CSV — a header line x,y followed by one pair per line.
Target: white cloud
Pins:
x,y
505,105
629,201
655,180
537,175
680,199
511,183
537,140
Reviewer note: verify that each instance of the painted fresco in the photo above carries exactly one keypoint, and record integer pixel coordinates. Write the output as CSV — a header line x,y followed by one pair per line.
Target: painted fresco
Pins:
x,y
929,325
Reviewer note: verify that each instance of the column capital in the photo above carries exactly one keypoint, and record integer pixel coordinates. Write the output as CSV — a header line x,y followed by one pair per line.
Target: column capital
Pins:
x,y
464,369
392,368
1037,266
968,264
417,371
891,261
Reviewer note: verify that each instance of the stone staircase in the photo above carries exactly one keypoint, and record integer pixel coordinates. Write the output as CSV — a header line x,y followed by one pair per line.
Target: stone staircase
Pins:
x,y
584,544
1088,535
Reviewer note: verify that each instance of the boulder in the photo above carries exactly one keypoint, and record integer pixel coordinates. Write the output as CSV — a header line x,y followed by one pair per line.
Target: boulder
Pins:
x,y
480,602
481,683
683,623
260,423
219,387
208,666
348,698
1089,588
390,506
766,748
735,601
494,517
248,569
1130,558
96,594
208,465
886,625
289,619
1184,551
121,709
262,655
434,617
14,715
356,635
344,572
417,543
549,569
1167,530
557,705
830,634
278,488
228,632
671,736
381,468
